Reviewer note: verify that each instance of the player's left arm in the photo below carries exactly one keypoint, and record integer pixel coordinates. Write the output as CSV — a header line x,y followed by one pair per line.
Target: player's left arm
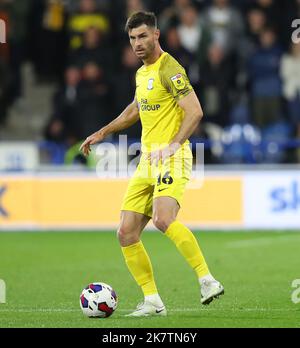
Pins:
x,y
176,82
192,115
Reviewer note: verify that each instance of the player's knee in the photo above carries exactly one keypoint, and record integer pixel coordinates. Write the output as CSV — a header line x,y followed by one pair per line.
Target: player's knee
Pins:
x,y
127,236
161,222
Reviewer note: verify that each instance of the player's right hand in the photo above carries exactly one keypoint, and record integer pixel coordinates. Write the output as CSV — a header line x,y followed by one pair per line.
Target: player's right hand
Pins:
x,y
91,140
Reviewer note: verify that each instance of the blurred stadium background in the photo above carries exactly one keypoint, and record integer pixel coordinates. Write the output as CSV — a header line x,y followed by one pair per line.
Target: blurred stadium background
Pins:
x,y
66,70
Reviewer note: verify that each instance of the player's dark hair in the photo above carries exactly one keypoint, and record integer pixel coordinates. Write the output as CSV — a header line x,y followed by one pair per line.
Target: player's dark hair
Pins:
x,y
139,18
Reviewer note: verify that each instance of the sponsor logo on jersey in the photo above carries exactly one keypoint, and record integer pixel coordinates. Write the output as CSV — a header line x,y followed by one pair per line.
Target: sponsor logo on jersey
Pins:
x,y
150,107
144,106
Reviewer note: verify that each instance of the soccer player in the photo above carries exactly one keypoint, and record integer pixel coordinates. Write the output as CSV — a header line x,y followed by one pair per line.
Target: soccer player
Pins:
x,y
169,111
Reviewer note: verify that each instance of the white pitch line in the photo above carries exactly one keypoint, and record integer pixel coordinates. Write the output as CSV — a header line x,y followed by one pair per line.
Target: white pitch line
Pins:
x,y
261,241
62,310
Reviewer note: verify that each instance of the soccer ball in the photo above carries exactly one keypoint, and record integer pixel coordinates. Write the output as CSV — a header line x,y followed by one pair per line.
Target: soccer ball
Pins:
x,y
98,300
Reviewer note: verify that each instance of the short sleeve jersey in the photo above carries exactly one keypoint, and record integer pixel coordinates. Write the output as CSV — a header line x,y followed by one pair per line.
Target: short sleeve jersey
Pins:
x,y
158,88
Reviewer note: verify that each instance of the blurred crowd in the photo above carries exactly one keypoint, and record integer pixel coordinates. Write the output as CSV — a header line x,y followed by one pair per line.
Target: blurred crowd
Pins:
x,y
239,56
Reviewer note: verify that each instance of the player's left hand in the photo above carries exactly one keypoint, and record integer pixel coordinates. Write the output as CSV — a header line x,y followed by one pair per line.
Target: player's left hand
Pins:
x,y
163,154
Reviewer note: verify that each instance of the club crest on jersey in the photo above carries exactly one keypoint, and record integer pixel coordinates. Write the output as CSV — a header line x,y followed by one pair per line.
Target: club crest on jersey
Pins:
x,y
178,81
150,84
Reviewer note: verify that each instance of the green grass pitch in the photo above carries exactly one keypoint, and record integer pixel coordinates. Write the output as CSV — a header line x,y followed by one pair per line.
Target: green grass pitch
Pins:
x,y
45,273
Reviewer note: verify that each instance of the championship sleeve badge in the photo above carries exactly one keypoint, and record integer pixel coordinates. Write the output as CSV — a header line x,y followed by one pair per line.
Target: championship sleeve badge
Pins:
x,y
178,81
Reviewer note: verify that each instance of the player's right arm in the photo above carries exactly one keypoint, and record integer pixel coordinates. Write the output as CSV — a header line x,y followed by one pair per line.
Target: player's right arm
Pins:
x,y
127,118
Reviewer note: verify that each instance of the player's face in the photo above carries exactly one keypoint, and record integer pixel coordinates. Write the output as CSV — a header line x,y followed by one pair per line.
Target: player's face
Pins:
x,y
143,41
